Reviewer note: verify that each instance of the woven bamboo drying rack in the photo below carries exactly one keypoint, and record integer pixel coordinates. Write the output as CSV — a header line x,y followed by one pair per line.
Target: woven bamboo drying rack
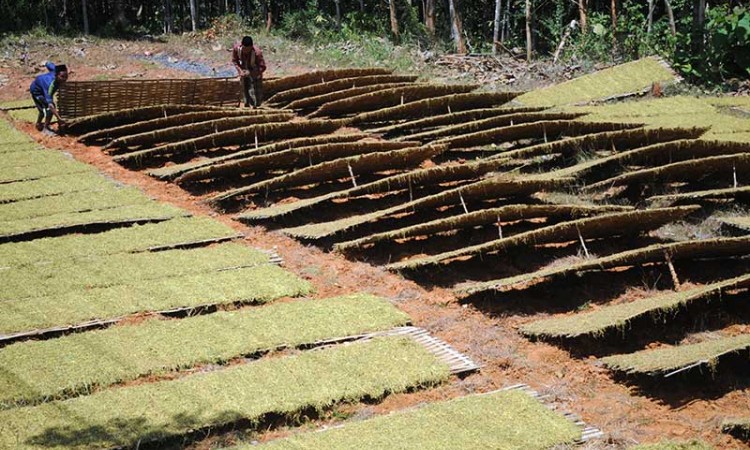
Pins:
x,y
83,98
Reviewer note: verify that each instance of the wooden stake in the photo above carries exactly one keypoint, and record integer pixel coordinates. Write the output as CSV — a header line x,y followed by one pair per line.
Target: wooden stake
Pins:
x,y
351,173
463,203
499,227
256,140
583,244
734,174
672,272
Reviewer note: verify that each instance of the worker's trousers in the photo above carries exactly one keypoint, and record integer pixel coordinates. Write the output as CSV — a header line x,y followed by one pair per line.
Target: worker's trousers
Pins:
x,y
252,91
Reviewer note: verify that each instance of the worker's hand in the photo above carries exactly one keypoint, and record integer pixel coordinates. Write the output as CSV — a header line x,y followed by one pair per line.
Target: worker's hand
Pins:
x,y
245,73
61,124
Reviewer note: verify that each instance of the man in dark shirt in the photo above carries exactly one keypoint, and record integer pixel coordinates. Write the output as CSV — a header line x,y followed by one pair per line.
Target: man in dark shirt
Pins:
x,y
43,89
248,60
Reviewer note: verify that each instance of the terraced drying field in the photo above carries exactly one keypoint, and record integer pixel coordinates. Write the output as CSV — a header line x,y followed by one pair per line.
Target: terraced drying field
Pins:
x,y
616,232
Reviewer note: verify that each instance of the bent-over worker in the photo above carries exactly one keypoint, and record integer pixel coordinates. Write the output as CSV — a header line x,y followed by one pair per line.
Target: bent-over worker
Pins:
x,y
43,89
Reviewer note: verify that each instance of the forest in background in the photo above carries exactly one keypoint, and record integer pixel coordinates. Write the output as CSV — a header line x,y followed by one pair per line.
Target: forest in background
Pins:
x,y
707,43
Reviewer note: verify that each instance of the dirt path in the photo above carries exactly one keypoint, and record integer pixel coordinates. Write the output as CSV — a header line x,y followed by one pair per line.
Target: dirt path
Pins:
x,y
575,385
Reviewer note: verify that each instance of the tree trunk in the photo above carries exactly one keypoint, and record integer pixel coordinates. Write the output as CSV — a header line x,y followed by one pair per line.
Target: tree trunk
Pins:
x,y
583,14
194,15
650,17
699,19
121,21
269,16
85,14
237,8
429,18
528,31
338,14
361,5
456,27
167,16
64,14
394,20
505,29
670,14
496,30
613,8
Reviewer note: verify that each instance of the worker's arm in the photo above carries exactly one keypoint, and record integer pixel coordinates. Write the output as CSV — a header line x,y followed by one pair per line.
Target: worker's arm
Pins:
x,y
49,96
236,60
53,108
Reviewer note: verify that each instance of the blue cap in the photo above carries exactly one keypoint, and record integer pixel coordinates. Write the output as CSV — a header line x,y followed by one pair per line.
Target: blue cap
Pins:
x,y
50,66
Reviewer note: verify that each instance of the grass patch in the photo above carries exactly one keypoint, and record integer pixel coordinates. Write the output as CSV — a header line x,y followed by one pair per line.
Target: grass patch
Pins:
x,y
15,160
683,170
111,119
496,186
261,133
671,112
473,126
174,171
632,77
618,316
710,194
251,391
664,360
706,248
549,130
170,121
292,159
453,118
414,177
605,225
110,196
504,420
187,130
435,106
110,270
739,222
44,370
136,238
28,114
489,216
273,87
258,284
291,95
49,186
388,98
60,165
146,212
339,168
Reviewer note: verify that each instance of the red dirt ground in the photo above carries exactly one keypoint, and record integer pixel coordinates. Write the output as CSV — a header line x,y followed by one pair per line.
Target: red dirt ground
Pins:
x,y
575,385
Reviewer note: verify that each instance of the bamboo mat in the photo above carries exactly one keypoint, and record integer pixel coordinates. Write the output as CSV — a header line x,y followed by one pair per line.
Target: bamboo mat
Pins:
x,y
83,98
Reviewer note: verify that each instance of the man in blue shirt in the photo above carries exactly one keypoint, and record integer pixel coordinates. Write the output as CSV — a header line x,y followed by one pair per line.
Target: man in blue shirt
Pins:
x,y
42,90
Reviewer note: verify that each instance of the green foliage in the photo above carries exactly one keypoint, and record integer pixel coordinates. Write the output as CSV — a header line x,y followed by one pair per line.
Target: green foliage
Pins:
x,y
307,23
729,40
